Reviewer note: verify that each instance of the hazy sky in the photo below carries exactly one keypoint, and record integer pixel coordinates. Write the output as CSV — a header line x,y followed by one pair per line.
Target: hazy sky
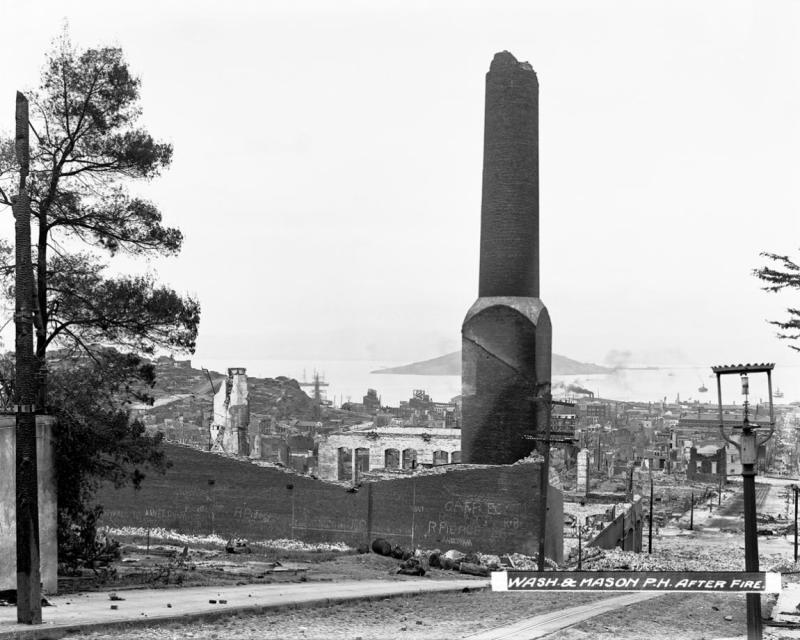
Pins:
x,y
327,167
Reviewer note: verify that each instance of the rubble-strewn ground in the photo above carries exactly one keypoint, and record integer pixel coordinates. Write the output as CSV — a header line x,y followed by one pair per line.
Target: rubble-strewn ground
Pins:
x,y
673,615
178,560
448,616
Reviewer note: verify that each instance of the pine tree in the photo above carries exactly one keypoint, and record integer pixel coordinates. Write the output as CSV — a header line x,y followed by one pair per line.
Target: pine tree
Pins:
x,y
86,148
786,275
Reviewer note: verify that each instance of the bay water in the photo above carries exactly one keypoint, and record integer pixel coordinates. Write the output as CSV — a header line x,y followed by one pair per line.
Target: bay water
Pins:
x,y
348,380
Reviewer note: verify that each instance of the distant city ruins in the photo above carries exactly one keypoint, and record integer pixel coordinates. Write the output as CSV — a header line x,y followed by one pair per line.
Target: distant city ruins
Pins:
x,y
466,472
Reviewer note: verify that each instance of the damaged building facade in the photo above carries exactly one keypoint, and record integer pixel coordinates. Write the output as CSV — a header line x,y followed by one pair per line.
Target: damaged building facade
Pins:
x,y
230,423
348,456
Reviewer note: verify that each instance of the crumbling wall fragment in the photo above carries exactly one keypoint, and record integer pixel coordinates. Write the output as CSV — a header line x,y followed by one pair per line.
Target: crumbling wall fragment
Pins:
x,y
229,426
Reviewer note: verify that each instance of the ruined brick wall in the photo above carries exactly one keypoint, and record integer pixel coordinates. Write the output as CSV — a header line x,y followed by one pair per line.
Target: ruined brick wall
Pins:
x,y
625,531
232,414
424,442
239,408
274,449
699,467
487,509
470,509
185,432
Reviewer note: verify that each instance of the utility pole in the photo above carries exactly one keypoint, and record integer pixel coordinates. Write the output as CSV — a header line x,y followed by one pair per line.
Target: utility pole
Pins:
x,y
547,439
597,457
650,535
795,487
748,446
750,531
29,597
545,483
317,400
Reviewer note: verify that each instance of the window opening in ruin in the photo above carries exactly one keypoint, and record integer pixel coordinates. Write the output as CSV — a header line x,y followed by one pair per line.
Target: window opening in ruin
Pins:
x,y
409,458
362,460
440,457
391,458
345,463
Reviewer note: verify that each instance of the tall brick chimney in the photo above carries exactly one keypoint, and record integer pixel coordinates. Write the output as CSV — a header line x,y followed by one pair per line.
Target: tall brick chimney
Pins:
x,y
510,203
506,335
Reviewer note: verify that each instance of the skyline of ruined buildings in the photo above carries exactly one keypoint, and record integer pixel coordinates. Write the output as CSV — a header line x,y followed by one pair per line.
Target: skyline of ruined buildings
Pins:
x,y
336,456
395,442
506,334
506,347
420,432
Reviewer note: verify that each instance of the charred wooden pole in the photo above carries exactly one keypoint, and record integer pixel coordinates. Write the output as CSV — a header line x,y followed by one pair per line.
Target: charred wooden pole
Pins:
x,y
597,457
544,442
545,484
29,600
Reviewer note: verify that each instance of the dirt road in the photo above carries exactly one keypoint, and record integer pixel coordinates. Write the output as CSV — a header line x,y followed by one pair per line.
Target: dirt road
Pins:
x,y
730,515
542,625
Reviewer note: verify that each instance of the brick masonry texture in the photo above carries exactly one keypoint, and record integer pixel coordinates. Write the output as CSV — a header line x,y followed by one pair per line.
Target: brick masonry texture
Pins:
x,y
443,441
625,531
507,335
489,510
506,352
510,202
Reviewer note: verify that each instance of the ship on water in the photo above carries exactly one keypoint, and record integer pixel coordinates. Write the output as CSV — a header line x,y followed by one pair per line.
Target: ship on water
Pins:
x,y
319,392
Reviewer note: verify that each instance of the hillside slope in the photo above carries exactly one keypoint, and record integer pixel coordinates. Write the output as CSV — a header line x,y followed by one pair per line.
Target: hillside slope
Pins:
x,y
183,390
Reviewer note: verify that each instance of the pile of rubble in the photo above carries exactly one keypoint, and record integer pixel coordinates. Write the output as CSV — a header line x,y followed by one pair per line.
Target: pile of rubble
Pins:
x,y
595,559
420,561
281,544
784,565
768,525
721,559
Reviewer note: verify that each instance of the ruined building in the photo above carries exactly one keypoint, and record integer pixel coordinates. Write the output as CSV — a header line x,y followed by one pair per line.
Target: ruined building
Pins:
x,y
347,456
506,335
231,419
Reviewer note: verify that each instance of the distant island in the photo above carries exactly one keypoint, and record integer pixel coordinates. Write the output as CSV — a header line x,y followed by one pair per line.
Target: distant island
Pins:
x,y
450,365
